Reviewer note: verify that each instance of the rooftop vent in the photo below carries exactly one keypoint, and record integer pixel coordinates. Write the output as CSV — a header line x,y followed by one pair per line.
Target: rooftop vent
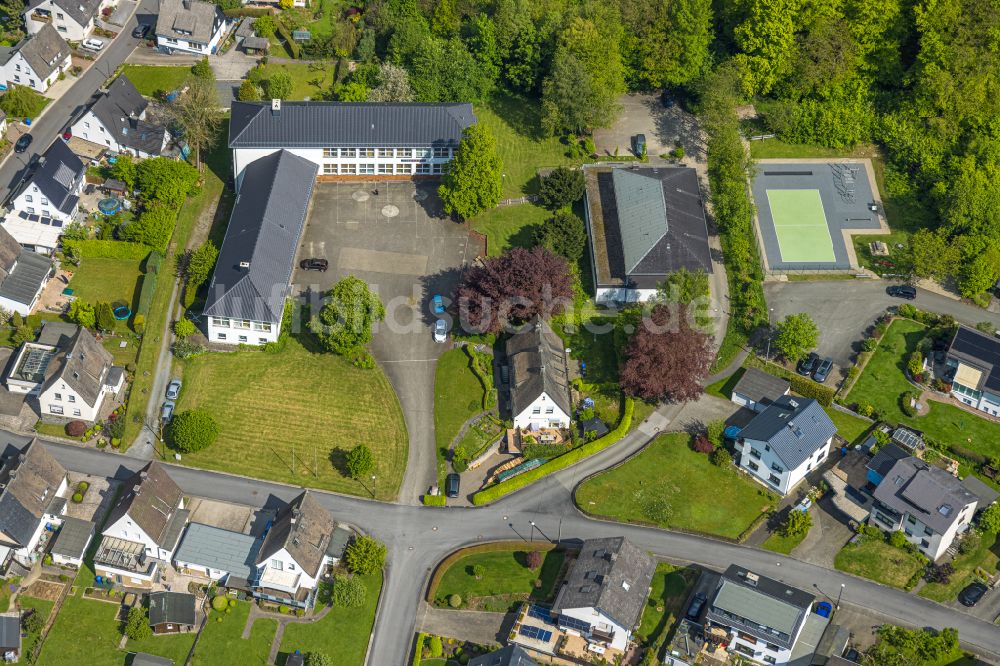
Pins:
x,y
143,474
752,578
135,489
244,264
275,106
793,403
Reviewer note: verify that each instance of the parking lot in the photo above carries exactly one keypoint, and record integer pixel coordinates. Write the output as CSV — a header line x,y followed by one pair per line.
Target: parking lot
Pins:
x,y
645,113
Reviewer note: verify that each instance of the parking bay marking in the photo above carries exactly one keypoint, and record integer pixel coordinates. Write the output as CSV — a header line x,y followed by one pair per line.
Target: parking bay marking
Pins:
x,y
377,261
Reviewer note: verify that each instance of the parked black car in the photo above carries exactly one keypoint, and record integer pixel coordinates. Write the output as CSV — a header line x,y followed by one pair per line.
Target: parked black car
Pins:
x,y
314,265
639,144
451,485
22,143
808,364
971,595
823,370
140,31
902,291
694,610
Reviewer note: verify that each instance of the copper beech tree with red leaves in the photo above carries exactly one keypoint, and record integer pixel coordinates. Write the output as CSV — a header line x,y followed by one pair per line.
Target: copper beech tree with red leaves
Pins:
x,y
513,288
667,361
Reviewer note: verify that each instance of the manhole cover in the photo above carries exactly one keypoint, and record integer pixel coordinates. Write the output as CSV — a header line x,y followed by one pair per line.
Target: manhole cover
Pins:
x,y
390,211
420,195
360,195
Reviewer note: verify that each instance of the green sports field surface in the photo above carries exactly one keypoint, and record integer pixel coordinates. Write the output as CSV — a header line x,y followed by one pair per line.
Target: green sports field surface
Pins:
x,y
800,224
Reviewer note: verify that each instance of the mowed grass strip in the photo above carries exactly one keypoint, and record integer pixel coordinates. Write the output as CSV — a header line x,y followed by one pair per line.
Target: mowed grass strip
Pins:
x,y
671,486
223,642
85,632
152,79
292,416
504,573
876,560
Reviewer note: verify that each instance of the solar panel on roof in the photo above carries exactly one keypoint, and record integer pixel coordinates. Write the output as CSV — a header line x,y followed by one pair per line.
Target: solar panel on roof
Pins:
x,y
64,176
33,218
541,613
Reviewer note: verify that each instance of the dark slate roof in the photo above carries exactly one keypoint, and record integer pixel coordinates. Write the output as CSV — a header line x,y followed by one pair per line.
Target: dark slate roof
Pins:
x,y
537,359
885,458
21,279
44,51
264,231
760,386
794,427
83,366
929,493
219,549
81,11
981,351
10,632
512,655
744,600
30,478
611,575
59,176
324,124
254,42
73,537
143,659
635,250
57,333
245,27
192,20
150,499
172,607
986,494
119,108
303,528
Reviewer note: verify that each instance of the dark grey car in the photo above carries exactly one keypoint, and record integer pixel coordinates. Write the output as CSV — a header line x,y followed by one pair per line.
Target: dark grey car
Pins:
x,y
823,370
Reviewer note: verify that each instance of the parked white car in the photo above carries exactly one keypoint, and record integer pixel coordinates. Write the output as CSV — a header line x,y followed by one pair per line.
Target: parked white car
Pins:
x,y
440,330
93,44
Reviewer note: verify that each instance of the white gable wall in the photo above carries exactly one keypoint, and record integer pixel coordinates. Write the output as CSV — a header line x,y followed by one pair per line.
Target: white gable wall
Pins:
x,y
596,618
17,71
90,128
766,467
241,331
33,202
283,561
61,400
543,412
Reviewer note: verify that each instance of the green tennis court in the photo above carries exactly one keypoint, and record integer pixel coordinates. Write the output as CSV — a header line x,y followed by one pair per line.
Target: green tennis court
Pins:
x,y
800,224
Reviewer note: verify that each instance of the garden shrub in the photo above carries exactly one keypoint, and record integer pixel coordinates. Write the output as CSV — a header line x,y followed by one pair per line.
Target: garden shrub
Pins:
x,y
77,498
283,609
534,559
146,292
220,603
76,428
701,444
869,344
454,601
897,539
865,409
434,500
721,457
435,645
106,249
905,403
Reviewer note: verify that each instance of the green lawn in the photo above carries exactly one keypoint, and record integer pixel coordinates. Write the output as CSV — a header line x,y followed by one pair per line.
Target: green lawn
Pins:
x,y
343,633
43,608
670,588
724,387
293,415
98,279
671,486
782,544
883,381
778,149
85,632
510,226
223,643
876,560
849,427
985,555
307,80
506,575
458,396
122,355
172,646
152,79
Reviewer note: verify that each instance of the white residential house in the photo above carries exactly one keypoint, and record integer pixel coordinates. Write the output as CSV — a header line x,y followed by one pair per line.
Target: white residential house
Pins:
x,y
764,618
929,505
757,389
785,442
32,501
974,369
191,26
605,592
36,61
23,275
117,120
143,529
69,371
72,19
539,378
296,551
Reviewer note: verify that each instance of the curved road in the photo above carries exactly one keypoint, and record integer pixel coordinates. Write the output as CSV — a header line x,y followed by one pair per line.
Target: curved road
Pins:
x,y
419,537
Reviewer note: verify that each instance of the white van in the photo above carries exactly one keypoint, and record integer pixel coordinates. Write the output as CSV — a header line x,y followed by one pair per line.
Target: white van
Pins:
x,y
93,44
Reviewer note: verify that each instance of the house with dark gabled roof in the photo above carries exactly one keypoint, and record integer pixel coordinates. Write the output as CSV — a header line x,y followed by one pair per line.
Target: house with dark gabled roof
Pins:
x,y
172,612
296,551
52,192
643,223
36,61
143,529
191,26
512,655
539,378
32,489
23,275
72,19
10,636
605,591
351,140
973,360
786,441
929,505
757,389
246,296
117,121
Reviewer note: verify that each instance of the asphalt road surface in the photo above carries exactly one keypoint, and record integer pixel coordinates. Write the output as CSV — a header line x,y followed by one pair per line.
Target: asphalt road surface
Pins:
x,y
57,117
419,537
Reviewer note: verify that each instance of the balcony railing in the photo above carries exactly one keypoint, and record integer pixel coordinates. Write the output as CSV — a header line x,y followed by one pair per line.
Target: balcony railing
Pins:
x,y
44,18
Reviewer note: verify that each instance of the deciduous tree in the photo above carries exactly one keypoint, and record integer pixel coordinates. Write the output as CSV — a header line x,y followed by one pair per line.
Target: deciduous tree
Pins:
x,y
562,187
348,591
197,113
344,324
203,70
666,359
165,180
796,524
125,170
249,92
472,181
192,430
137,624
393,85
365,555
796,335
279,85
360,461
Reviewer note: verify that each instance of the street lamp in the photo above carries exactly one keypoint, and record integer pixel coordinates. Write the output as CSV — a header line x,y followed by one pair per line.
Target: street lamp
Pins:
x,y
373,486
532,530
842,586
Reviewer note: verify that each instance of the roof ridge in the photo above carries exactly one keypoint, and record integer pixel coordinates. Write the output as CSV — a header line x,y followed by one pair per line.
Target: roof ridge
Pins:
x,y
246,126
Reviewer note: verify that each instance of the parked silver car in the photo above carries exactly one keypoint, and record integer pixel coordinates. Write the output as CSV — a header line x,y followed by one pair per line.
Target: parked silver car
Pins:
x,y
173,389
167,412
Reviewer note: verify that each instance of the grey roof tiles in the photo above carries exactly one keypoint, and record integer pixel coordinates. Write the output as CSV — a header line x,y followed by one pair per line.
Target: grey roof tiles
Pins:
x,y
538,364
929,493
216,548
794,428
119,108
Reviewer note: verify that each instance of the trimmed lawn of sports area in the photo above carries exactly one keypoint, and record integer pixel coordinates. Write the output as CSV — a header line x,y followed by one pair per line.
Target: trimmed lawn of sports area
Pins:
x,y
293,415
800,224
506,579
152,79
671,486
99,279
343,633
223,642
876,560
669,590
883,381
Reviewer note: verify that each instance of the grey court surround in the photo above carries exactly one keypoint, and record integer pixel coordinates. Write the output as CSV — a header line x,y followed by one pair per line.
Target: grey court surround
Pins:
x,y
844,190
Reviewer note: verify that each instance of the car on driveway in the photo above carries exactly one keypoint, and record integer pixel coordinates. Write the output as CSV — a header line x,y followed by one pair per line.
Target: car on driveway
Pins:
x,y
807,365
173,389
694,610
902,291
22,143
140,31
438,304
639,144
972,593
167,412
314,264
93,44
440,330
452,484
823,370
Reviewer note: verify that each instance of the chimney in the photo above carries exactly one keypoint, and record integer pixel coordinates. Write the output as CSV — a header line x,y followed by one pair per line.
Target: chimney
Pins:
x,y
245,265
187,4
275,107
143,475
135,489
752,578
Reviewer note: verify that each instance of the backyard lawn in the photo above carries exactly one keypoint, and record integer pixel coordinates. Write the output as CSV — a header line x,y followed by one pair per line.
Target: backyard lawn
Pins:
x,y
510,226
876,560
671,486
985,555
458,396
98,279
343,633
175,646
42,607
883,381
293,415
670,588
849,427
307,80
506,579
85,632
152,79
223,643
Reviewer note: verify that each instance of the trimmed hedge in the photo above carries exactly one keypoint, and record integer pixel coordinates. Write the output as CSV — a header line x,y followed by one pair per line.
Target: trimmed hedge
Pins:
x,y
146,294
153,262
498,490
256,12
804,386
418,649
435,500
496,546
285,34
108,249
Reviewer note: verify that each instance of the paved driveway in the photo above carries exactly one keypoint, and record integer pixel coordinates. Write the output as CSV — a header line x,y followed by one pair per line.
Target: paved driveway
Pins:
x,y
645,114
399,243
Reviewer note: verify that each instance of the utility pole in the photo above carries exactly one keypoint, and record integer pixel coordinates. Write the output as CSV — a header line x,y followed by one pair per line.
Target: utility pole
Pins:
x,y
373,487
842,586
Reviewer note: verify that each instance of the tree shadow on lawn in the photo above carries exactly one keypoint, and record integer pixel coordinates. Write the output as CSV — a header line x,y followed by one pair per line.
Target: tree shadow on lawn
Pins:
x,y
518,112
